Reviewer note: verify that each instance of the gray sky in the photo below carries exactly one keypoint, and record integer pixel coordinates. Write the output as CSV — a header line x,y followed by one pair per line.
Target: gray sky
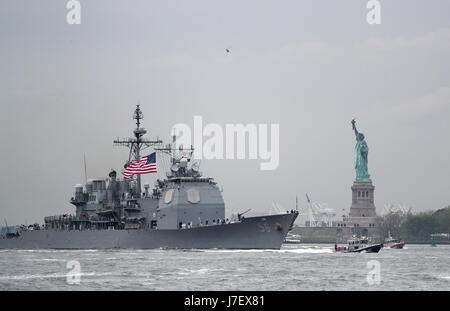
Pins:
x,y
310,66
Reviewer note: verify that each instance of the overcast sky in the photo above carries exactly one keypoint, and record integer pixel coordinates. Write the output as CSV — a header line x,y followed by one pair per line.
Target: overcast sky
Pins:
x,y
310,66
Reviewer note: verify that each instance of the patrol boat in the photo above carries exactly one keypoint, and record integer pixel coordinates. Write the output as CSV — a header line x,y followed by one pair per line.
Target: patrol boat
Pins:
x,y
359,245
393,243
184,210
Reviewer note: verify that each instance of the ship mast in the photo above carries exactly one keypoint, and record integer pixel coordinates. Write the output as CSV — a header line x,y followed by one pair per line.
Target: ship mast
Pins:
x,y
137,144
171,150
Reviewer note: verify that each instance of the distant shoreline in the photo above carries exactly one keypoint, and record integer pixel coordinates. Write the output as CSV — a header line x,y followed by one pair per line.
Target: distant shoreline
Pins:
x,y
410,243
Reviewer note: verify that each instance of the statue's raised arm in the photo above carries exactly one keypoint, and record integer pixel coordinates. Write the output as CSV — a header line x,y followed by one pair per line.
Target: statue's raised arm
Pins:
x,y
354,126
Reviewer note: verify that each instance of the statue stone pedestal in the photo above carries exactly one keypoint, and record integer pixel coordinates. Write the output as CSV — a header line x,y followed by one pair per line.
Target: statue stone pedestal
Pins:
x,y
362,200
362,219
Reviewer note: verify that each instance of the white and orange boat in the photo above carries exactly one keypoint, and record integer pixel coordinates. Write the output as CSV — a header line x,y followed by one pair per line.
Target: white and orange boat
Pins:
x,y
393,243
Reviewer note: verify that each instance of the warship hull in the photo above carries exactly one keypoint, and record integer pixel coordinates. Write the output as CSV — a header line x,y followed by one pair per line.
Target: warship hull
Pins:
x,y
265,232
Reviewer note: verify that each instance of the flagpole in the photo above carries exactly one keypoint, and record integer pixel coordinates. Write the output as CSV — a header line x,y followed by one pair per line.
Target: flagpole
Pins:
x,y
138,133
85,171
7,229
135,144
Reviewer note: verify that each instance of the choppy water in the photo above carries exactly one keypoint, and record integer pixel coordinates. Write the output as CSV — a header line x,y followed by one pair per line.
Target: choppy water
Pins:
x,y
294,267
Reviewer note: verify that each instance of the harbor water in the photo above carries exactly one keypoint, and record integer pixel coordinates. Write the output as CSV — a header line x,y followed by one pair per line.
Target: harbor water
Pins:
x,y
294,267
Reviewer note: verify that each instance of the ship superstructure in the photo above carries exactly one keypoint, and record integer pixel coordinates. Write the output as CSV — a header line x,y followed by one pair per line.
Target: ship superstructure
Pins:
x,y
183,210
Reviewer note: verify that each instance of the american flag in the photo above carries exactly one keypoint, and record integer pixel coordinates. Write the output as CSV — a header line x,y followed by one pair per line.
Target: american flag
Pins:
x,y
145,165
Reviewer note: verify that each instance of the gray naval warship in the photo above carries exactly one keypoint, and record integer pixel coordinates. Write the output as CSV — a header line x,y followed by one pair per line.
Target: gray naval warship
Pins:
x,y
184,210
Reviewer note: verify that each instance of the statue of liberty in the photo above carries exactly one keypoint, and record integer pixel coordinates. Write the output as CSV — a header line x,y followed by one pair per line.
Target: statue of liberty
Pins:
x,y
361,156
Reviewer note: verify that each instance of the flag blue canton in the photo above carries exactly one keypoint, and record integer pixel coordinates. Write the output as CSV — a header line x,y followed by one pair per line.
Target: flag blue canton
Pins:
x,y
151,158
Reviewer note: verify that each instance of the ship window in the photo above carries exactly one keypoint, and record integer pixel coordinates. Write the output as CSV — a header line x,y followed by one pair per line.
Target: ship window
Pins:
x,y
169,196
193,195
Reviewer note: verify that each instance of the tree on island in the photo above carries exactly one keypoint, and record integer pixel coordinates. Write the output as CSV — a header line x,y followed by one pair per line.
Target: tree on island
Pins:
x,y
416,227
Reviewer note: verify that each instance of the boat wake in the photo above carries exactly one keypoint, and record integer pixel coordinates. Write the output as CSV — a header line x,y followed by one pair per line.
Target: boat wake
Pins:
x,y
303,250
50,276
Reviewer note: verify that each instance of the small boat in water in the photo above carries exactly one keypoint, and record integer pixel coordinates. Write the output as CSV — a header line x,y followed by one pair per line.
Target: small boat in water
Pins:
x,y
292,239
358,245
393,243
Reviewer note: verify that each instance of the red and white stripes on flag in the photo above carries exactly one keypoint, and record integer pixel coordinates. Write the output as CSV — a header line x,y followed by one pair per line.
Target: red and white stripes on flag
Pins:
x,y
145,165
